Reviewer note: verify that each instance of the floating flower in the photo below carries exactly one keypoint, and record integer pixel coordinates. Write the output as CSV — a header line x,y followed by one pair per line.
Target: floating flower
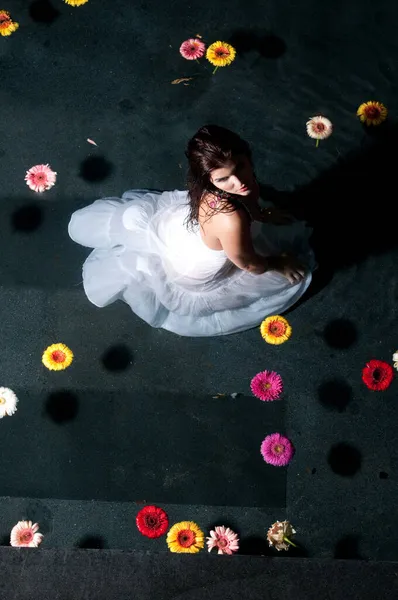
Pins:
x,y
40,178
395,360
192,49
220,54
8,402
279,535
25,535
277,450
152,521
7,25
76,2
267,385
185,537
372,113
224,539
275,330
319,128
57,357
377,375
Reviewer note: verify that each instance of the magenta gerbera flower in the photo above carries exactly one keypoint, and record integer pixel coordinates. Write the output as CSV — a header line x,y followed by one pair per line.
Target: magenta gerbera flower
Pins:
x,y
192,49
40,178
223,539
267,385
277,450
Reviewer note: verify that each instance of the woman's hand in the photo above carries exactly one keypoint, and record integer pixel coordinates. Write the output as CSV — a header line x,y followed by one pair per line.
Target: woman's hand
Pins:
x,y
288,266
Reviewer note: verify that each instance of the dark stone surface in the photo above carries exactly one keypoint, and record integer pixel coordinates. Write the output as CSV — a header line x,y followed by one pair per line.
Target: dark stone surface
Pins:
x,y
103,575
105,73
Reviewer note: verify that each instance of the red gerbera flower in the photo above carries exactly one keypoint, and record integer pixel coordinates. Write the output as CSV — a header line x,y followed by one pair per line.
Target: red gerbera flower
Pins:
x,y
152,521
377,375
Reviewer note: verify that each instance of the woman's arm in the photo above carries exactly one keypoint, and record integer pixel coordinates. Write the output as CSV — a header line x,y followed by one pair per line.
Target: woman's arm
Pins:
x,y
233,231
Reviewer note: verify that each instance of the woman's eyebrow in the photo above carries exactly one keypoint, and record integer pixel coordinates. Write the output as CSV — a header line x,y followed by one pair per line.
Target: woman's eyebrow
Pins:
x,y
231,173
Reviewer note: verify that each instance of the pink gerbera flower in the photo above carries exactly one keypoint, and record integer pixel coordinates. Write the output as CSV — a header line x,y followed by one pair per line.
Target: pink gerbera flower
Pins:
x,y
224,539
277,450
40,178
192,49
25,535
267,385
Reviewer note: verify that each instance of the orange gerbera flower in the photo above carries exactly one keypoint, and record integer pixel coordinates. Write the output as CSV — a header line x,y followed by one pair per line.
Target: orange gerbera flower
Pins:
x,y
220,54
185,537
275,330
372,113
57,357
7,25
76,2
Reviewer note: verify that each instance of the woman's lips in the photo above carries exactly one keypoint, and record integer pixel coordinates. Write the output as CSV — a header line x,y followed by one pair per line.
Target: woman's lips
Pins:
x,y
243,189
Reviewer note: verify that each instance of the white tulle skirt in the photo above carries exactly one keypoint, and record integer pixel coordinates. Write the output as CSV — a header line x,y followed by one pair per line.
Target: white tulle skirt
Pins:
x,y
145,255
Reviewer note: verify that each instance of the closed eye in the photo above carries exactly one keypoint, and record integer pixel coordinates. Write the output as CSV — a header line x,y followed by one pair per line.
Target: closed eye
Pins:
x,y
238,167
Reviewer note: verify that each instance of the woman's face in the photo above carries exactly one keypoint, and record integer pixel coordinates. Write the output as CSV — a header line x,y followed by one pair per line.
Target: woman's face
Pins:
x,y
235,177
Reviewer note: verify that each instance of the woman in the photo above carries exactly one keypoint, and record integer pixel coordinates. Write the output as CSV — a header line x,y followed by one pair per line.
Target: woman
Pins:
x,y
203,262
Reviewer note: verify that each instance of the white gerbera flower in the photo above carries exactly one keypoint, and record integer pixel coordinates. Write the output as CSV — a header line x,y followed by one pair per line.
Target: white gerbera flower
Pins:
x,y
25,534
279,535
8,402
319,128
395,357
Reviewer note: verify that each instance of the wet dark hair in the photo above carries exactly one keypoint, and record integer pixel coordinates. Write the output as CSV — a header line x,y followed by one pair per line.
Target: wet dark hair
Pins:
x,y
210,148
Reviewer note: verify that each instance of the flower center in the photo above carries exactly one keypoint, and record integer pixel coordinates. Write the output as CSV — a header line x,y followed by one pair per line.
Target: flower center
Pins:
x,y
186,538
2,401
58,356
277,328
372,112
222,52
222,542
26,537
377,374
4,19
278,448
40,177
266,386
151,521
320,127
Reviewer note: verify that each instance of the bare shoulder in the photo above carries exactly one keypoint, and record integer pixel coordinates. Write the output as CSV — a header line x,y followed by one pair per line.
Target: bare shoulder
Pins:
x,y
229,218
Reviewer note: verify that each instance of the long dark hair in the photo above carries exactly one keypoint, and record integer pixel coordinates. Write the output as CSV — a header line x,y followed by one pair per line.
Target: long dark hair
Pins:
x,y
210,148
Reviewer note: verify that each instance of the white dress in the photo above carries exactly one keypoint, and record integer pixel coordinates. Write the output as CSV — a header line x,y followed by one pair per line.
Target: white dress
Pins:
x,y
145,255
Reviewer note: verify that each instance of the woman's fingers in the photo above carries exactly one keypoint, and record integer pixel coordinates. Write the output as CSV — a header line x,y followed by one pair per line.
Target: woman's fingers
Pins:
x,y
295,276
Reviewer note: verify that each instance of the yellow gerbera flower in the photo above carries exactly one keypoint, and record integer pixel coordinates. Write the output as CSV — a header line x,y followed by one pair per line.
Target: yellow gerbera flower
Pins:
x,y
275,330
220,54
76,2
372,113
57,357
7,25
185,537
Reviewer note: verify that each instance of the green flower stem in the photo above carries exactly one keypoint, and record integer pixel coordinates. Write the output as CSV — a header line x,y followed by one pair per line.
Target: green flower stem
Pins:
x,y
215,70
286,539
317,143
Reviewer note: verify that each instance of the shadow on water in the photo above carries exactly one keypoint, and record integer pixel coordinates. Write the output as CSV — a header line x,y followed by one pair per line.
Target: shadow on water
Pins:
x,y
349,207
